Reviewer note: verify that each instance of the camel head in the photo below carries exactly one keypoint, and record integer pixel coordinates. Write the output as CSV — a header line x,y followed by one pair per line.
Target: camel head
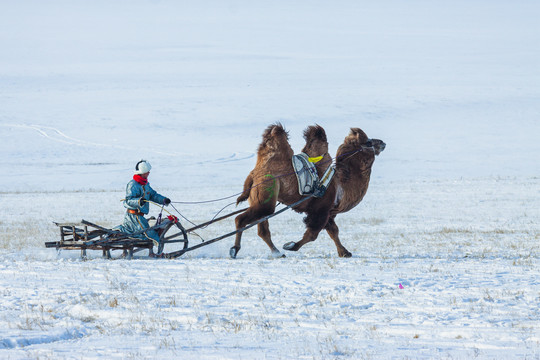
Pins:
x,y
359,139
316,141
275,139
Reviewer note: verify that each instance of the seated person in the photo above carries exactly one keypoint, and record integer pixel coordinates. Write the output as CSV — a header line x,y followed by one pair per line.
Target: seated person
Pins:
x,y
138,193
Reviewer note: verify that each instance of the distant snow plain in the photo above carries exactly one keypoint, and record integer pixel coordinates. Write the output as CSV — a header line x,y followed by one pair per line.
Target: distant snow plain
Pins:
x,y
89,88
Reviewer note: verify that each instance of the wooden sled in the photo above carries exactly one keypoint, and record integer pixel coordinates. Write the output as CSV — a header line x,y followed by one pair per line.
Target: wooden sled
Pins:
x,y
89,236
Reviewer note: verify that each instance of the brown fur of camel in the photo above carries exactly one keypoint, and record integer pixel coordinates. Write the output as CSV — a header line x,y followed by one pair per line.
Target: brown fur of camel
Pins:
x,y
354,159
273,180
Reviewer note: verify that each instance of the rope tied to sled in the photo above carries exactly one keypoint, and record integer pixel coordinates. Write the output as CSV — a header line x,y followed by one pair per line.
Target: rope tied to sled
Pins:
x,y
317,160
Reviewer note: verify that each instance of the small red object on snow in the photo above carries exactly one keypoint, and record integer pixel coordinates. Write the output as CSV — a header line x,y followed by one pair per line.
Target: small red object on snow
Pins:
x,y
400,286
172,218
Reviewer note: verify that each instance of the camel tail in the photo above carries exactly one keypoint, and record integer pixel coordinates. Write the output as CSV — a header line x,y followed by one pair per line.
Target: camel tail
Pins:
x,y
247,189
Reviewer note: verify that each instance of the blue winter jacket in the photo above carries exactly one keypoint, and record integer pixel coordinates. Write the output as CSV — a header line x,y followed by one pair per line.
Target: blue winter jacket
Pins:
x,y
136,191
132,222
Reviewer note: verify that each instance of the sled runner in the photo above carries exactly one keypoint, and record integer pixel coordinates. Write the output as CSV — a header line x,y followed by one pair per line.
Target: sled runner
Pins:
x,y
89,236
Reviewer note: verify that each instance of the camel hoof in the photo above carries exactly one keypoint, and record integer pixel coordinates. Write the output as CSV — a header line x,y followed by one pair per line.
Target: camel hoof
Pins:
x,y
290,246
234,250
278,255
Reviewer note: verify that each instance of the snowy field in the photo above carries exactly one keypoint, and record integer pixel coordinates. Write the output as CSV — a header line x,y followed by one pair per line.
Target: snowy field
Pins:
x,y
446,254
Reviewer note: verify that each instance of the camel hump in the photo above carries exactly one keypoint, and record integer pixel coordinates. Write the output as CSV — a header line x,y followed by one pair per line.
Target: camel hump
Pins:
x,y
315,132
274,130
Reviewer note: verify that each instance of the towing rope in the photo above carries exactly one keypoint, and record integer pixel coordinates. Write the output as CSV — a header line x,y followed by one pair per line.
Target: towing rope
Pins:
x,y
265,218
313,159
202,226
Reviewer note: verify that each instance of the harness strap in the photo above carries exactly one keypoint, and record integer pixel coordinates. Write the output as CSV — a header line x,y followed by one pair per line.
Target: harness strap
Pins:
x,y
325,181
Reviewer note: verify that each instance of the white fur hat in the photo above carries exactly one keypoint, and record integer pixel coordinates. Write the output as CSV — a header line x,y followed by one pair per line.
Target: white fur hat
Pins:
x,y
142,167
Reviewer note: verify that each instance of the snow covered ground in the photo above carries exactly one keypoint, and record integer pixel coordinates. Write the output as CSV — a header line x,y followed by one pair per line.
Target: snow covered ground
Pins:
x,y
88,88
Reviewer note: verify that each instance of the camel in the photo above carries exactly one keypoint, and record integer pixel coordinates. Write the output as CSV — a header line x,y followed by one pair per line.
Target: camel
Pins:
x,y
273,179
354,159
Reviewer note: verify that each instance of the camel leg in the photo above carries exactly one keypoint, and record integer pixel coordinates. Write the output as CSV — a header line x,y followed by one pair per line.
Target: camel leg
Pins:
x,y
249,216
264,233
240,221
309,236
315,222
262,202
333,231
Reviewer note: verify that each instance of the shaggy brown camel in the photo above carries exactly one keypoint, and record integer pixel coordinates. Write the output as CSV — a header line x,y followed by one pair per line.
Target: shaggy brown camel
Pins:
x,y
273,179
354,160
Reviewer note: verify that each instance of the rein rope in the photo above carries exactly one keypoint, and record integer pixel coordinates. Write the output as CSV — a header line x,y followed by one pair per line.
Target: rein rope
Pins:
x,y
206,224
349,154
199,226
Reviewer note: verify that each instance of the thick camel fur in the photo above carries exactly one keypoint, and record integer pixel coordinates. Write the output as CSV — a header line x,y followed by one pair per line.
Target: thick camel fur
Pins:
x,y
354,159
273,179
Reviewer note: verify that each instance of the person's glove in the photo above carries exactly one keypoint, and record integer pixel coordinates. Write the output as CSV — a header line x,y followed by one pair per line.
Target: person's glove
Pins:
x,y
141,202
166,201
